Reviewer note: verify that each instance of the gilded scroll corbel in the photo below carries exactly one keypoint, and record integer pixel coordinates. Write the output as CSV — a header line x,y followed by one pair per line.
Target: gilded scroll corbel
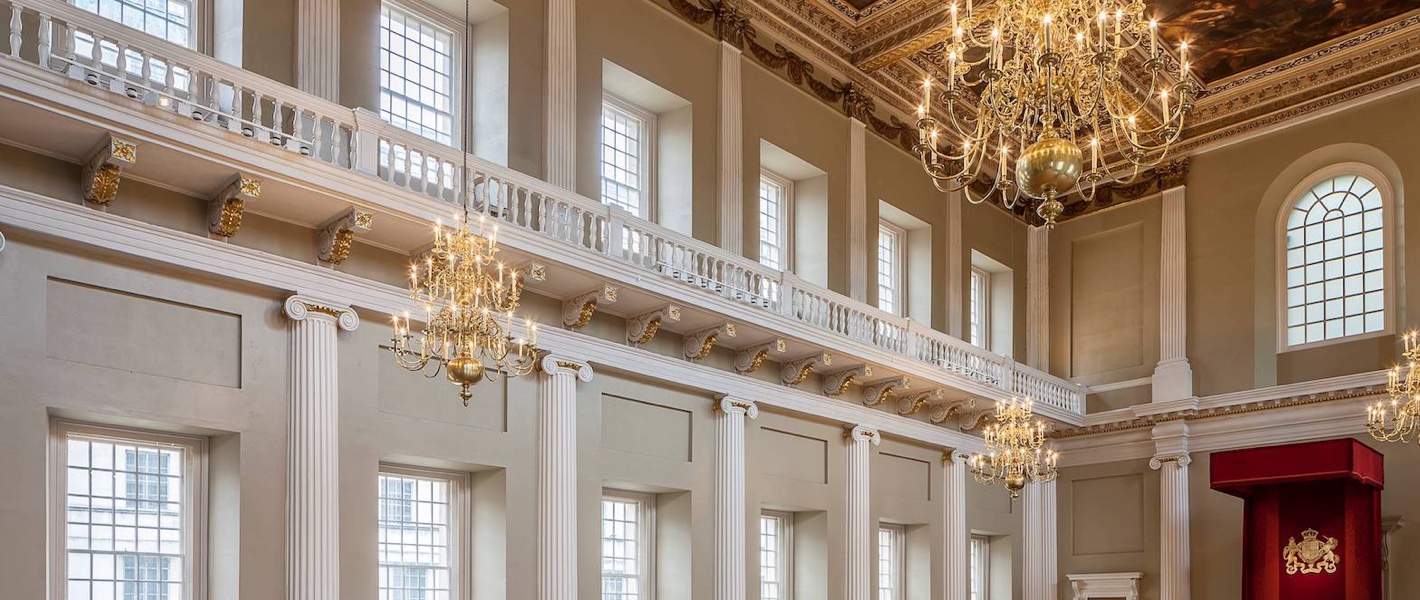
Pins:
x,y
748,360
225,210
104,169
640,329
333,244
699,344
578,310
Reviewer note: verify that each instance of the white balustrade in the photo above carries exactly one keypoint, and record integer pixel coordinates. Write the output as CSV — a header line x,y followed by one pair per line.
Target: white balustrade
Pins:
x,y
147,70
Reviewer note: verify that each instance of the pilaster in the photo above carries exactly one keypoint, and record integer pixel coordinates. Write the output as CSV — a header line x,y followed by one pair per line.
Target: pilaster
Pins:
x,y
557,476
957,557
732,183
561,122
729,559
318,48
1173,377
1038,516
857,210
313,448
1038,298
859,537
1171,461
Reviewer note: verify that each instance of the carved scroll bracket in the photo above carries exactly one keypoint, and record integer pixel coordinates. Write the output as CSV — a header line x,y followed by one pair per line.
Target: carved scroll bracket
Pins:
x,y
104,168
837,382
911,404
578,310
748,360
336,237
973,419
699,344
640,329
795,372
225,210
946,410
877,393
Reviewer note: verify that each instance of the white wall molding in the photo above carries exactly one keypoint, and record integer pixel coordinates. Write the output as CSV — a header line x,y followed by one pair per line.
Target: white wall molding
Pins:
x,y
1085,586
69,221
313,448
732,148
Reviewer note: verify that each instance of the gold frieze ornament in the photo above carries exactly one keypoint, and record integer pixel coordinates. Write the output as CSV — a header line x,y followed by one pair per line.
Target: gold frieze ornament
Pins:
x,y
224,211
334,243
699,344
104,169
1311,555
577,311
749,360
642,328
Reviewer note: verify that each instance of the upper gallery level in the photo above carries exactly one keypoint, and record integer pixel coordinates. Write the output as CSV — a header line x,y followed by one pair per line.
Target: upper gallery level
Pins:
x,y
758,179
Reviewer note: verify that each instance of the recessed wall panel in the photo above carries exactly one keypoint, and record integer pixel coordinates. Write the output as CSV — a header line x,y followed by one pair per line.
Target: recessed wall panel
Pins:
x,y
1107,309
645,428
792,456
434,398
1108,514
902,476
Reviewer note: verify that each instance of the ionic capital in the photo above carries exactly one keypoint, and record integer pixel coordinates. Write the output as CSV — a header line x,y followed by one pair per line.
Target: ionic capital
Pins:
x,y
557,365
863,434
1180,460
299,308
731,405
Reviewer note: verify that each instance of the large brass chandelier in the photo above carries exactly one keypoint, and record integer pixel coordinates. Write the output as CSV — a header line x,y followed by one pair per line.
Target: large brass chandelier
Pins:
x,y
1397,419
1015,453
1051,78
469,298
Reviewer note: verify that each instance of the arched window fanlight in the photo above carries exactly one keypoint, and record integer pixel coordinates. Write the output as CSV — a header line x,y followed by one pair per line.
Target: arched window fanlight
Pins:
x,y
1335,261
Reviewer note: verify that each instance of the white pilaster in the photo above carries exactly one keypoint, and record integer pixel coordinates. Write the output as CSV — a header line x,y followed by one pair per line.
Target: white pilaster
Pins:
x,y
729,558
318,48
1173,377
857,210
1038,297
561,123
859,539
1038,531
557,477
957,558
312,449
1171,460
732,148
956,268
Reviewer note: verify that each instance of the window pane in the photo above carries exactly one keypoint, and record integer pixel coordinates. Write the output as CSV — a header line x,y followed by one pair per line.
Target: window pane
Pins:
x,y
170,19
1334,254
625,144
980,548
773,231
623,568
889,567
890,267
416,78
415,544
980,290
772,563
125,509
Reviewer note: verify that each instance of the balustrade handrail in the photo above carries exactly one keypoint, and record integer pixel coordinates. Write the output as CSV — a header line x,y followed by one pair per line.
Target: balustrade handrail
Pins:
x,y
523,200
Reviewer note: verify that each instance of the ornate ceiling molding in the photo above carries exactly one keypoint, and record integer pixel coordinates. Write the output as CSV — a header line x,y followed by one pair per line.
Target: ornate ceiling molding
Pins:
x,y
1215,412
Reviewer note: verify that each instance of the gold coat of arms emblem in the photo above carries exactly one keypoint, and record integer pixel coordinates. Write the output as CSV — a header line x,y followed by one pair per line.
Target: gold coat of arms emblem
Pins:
x,y
1311,555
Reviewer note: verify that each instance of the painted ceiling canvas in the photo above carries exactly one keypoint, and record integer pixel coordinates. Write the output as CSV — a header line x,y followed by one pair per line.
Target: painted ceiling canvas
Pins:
x,y
1233,36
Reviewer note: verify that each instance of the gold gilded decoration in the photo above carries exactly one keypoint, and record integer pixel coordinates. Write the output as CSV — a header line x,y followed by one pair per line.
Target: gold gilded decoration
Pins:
x,y
340,248
224,211
758,360
750,359
650,332
124,151
230,218
1311,555
103,170
103,188
1015,453
705,347
642,328
248,186
1398,419
584,315
577,311
334,243
796,371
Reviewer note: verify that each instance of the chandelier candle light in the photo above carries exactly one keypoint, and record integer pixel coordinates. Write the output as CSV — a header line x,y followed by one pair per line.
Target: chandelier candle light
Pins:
x,y
469,297
1015,453
1048,76
1395,420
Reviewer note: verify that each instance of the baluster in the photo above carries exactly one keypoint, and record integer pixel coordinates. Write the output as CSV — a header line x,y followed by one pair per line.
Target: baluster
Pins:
x,y
16,31
146,71
408,168
70,48
318,145
121,61
96,54
257,119
235,123
278,122
45,42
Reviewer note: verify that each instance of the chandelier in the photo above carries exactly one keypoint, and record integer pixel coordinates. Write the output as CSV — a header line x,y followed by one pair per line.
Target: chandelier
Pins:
x,y
1395,420
469,298
1050,77
1014,449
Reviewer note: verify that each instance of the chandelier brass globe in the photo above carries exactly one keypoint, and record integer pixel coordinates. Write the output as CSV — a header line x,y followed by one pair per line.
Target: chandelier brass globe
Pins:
x,y
1056,79
1015,449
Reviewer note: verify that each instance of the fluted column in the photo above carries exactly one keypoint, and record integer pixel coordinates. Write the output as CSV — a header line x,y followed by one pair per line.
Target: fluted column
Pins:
x,y
732,149
1038,532
858,210
1038,297
957,558
312,449
1173,377
729,558
557,477
859,538
1174,560
318,48
561,122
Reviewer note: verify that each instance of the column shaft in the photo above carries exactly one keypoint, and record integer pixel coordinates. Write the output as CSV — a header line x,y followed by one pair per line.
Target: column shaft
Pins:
x,y
1174,559
318,48
561,123
1038,298
732,183
312,449
1173,377
730,521
557,478
1038,531
957,557
859,537
858,210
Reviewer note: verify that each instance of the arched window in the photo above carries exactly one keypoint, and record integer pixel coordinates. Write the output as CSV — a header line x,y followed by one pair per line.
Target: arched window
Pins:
x,y
1335,279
